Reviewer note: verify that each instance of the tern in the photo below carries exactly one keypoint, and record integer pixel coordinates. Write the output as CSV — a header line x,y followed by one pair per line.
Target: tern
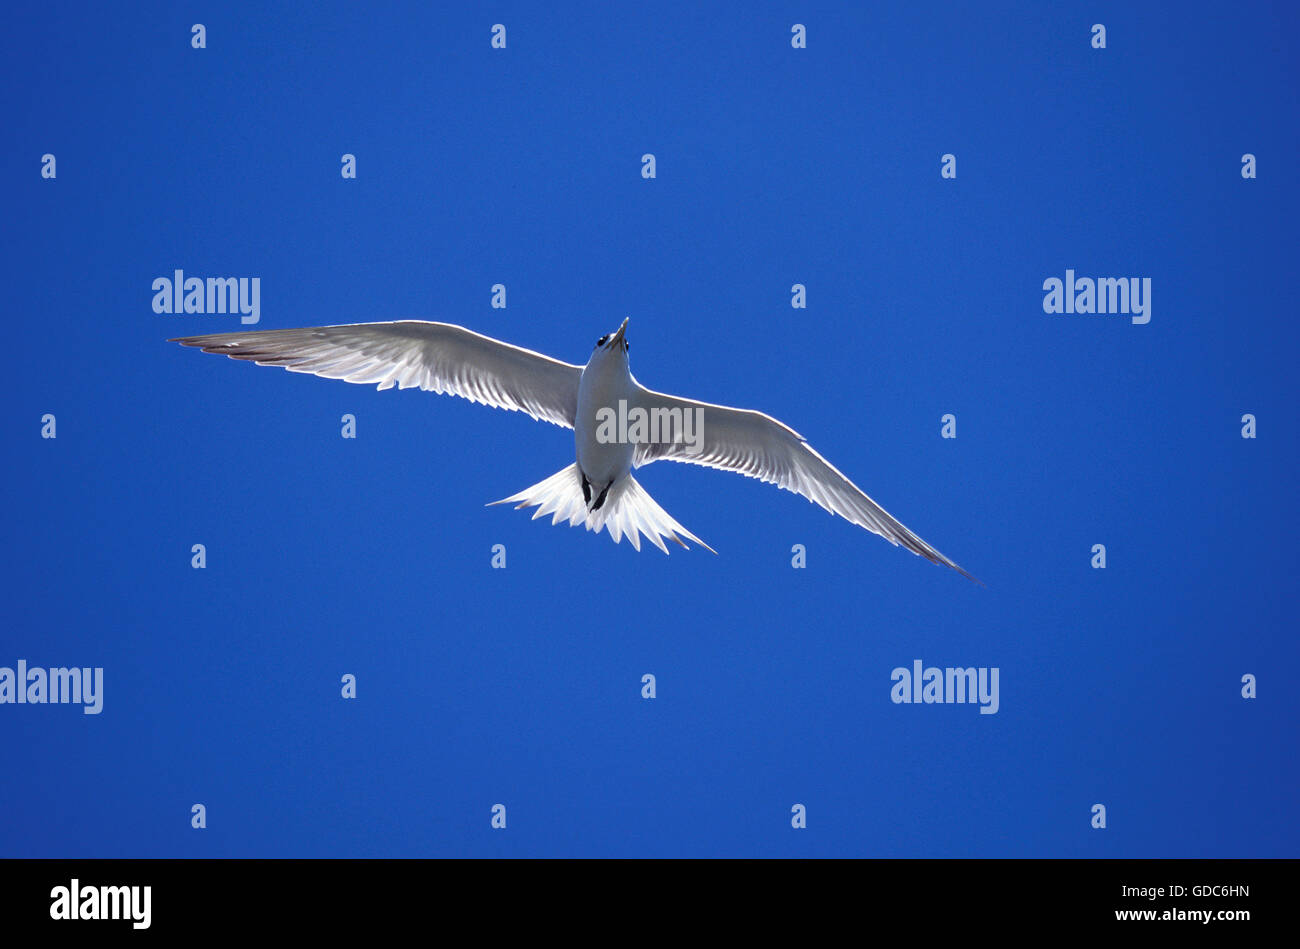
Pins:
x,y
598,489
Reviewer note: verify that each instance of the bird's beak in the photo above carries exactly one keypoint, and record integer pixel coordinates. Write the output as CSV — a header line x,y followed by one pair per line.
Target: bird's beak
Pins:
x,y
618,335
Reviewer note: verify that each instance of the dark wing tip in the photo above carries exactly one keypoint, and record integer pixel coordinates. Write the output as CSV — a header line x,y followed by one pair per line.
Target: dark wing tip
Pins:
x,y
967,575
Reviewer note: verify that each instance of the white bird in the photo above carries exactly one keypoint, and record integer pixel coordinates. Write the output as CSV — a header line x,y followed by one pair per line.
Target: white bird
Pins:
x,y
594,400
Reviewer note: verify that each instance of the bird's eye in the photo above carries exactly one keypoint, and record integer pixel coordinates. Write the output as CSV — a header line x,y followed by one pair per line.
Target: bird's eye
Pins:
x,y
601,341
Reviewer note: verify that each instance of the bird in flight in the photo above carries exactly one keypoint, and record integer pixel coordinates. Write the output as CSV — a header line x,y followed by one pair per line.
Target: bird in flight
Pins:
x,y
618,424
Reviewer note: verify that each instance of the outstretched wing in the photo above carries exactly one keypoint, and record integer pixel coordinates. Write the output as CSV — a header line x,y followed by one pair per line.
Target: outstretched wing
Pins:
x,y
758,446
437,357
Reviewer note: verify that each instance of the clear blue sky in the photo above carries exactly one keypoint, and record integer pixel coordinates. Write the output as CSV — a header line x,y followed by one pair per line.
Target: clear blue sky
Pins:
x,y
521,686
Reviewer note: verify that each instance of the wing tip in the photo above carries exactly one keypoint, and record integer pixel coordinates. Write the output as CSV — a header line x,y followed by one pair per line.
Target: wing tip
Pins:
x,y
704,545
974,579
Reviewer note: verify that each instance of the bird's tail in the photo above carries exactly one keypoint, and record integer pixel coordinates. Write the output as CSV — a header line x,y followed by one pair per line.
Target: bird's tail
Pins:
x,y
628,510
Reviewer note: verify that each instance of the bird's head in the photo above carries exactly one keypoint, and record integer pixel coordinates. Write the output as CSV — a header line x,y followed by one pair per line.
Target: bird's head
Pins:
x,y
614,344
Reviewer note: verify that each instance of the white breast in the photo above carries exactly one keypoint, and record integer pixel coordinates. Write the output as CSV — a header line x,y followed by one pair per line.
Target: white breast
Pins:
x,y
605,381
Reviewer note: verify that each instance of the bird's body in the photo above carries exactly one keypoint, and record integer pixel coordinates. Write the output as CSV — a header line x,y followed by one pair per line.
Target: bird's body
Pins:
x,y
605,381
596,401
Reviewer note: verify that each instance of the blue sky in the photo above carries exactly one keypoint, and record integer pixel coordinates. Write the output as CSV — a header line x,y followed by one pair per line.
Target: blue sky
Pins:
x,y
521,686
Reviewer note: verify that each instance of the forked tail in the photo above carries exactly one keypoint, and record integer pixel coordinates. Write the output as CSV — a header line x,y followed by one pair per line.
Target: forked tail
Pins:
x,y
628,510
